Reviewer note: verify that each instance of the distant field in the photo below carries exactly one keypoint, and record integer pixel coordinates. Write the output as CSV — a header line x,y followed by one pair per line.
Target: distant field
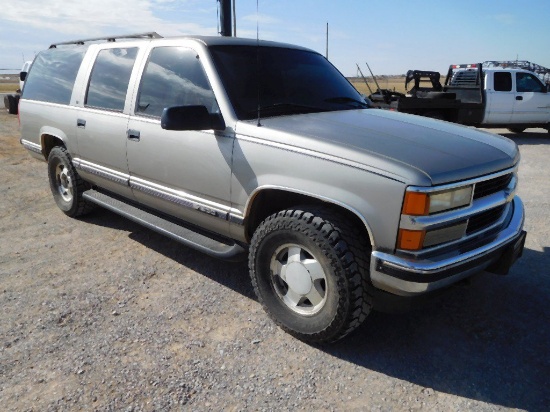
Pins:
x,y
391,83
8,83
8,87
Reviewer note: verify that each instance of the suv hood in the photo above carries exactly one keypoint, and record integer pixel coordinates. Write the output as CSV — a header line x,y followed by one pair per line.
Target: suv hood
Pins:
x,y
412,149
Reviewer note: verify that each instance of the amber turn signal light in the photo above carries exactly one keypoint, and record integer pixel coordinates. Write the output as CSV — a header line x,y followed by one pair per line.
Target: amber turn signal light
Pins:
x,y
410,239
416,204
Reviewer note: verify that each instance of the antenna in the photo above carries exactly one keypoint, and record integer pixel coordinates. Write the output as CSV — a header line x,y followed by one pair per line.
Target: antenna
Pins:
x,y
258,78
364,78
326,54
375,82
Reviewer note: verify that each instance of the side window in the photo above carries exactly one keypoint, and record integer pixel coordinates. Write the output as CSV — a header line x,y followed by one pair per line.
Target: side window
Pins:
x,y
52,75
503,81
174,76
110,78
526,82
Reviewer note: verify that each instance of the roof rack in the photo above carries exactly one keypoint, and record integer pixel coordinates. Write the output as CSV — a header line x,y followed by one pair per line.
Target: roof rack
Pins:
x,y
541,71
148,35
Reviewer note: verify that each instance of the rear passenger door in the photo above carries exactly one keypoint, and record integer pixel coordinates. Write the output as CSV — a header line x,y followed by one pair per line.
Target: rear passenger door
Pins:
x,y
103,121
185,174
500,98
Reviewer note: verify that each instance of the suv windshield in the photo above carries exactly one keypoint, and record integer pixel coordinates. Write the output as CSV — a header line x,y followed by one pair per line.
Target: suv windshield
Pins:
x,y
282,81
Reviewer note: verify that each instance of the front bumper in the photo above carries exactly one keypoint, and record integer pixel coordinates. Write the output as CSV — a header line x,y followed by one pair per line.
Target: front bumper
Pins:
x,y
408,277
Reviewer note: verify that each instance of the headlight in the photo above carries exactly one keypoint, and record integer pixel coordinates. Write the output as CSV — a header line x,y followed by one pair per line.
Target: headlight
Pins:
x,y
450,199
430,203
422,204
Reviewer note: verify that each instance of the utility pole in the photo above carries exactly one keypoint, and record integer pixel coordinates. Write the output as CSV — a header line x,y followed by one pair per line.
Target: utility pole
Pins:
x,y
225,18
234,19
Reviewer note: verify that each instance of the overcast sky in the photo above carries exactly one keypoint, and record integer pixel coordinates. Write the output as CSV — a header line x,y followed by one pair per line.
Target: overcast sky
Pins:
x,y
391,35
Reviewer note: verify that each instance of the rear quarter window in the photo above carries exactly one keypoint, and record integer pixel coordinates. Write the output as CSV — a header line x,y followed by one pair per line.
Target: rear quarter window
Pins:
x,y
53,74
503,81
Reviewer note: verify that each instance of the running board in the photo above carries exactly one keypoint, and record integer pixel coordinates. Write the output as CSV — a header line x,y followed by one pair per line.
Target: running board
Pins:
x,y
226,249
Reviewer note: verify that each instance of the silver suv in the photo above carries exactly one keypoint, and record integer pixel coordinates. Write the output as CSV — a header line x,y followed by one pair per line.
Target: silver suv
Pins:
x,y
236,147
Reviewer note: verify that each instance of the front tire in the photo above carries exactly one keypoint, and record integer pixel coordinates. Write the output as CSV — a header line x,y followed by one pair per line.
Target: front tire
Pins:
x,y
66,185
309,272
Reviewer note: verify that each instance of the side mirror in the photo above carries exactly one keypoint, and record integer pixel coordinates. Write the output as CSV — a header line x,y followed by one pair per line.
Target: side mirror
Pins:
x,y
190,118
22,76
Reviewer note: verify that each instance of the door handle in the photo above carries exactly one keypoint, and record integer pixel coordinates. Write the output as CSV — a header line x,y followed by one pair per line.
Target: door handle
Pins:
x,y
133,135
80,123
519,97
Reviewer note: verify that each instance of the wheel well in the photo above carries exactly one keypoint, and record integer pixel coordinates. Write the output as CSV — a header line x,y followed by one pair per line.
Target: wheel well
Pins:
x,y
49,142
271,201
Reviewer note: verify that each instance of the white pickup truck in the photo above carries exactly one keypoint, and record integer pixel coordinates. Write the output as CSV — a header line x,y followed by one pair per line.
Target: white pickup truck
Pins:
x,y
11,101
478,96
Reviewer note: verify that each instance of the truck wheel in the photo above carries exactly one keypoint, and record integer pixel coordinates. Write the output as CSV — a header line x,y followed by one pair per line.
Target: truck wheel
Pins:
x,y
11,102
309,272
516,129
66,185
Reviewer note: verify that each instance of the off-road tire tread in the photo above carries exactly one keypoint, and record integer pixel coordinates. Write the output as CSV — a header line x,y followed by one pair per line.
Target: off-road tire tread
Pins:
x,y
345,244
83,207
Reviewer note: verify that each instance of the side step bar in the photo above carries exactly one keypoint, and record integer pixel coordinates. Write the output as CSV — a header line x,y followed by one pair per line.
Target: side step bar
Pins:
x,y
226,249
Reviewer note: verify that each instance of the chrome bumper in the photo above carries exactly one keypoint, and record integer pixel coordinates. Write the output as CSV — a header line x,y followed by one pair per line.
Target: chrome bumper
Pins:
x,y
407,277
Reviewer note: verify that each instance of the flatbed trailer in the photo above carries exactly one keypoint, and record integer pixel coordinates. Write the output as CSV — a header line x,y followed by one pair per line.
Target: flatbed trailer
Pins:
x,y
474,95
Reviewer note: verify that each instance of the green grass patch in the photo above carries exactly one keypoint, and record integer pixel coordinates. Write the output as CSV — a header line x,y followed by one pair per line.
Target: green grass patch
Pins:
x,y
8,87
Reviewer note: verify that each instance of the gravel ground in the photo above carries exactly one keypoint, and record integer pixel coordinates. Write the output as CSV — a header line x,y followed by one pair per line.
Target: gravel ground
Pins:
x,y
102,314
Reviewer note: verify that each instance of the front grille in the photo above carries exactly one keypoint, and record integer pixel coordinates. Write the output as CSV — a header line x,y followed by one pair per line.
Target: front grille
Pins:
x,y
485,219
488,187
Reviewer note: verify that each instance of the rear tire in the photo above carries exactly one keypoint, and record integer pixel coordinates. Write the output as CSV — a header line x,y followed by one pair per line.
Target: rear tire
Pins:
x,y
517,129
66,185
11,102
309,269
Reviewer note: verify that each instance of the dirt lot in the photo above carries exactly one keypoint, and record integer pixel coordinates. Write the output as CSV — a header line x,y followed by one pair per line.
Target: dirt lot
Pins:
x,y
102,314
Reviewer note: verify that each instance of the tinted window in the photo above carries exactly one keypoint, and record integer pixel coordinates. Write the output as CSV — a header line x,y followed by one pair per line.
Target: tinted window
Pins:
x,y
53,73
503,81
173,77
526,82
282,81
110,78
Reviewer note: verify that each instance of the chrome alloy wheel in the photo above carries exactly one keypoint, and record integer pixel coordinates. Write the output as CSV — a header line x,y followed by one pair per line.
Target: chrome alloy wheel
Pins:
x,y
299,279
64,182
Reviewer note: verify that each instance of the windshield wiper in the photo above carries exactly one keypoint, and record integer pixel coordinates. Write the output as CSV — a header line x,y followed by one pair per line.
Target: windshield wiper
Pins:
x,y
347,100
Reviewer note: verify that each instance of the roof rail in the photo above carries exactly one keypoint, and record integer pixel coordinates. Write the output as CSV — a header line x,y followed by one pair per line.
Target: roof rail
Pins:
x,y
148,35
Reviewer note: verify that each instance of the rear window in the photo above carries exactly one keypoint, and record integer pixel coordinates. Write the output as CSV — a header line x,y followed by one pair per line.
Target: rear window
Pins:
x,y
52,75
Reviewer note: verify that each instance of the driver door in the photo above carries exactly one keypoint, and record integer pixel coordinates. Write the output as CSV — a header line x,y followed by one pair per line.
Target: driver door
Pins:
x,y
532,102
185,174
